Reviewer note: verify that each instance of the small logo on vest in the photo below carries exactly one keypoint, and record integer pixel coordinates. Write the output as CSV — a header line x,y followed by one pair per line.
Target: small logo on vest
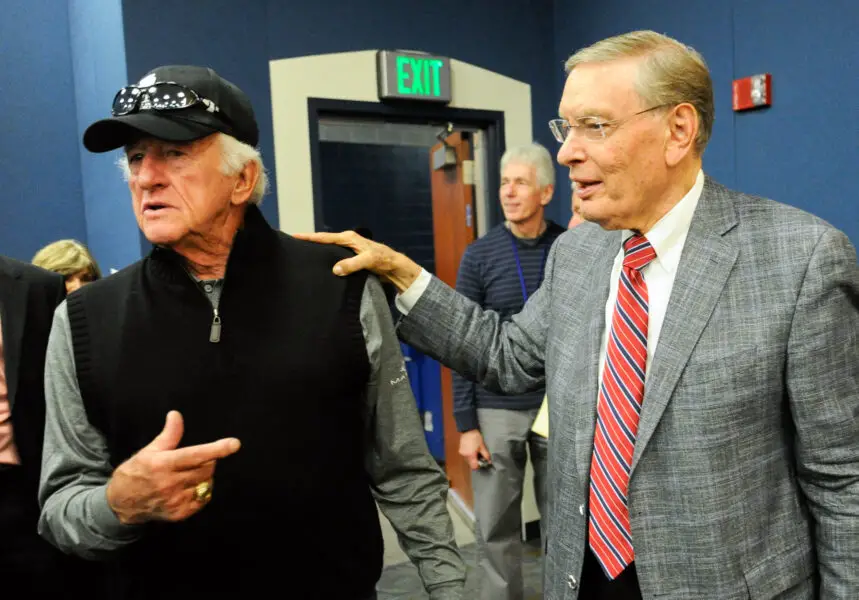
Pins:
x,y
404,375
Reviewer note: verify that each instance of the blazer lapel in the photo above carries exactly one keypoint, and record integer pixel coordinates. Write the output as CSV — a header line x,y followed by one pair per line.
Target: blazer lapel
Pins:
x,y
13,312
585,405
705,264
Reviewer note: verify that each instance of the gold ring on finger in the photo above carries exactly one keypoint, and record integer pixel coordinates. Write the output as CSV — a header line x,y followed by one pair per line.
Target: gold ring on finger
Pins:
x,y
203,492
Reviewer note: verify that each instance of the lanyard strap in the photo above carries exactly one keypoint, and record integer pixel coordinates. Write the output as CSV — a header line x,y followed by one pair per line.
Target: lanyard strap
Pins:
x,y
519,266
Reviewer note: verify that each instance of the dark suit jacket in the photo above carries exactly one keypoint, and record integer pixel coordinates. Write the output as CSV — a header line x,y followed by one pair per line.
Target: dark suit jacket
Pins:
x,y
745,476
28,297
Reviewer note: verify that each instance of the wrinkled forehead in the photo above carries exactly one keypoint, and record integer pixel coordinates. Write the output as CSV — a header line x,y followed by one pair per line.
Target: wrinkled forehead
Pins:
x,y
606,89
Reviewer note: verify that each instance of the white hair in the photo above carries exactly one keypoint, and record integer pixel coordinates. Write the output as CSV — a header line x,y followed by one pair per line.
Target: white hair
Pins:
x,y
234,156
535,155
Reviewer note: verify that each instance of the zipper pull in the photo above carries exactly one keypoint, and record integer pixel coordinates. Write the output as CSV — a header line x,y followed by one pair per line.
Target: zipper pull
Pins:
x,y
215,331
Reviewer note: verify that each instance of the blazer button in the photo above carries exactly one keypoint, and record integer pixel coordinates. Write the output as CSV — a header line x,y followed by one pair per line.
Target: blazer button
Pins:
x,y
572,583
582,509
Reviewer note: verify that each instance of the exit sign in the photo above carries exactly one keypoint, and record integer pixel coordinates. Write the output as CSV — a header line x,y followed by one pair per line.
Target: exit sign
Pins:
x,y
413,76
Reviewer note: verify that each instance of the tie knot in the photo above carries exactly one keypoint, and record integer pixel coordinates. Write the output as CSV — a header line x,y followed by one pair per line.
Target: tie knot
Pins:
x,y
637,252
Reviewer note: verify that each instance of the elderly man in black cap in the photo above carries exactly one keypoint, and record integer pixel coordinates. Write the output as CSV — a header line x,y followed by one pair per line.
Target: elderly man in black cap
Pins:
x,y
288,379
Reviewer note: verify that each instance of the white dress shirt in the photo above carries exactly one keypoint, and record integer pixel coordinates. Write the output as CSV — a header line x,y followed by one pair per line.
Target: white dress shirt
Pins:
x,y
667,237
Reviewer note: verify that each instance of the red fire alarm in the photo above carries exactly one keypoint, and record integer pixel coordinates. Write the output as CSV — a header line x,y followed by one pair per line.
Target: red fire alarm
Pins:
x,y
753,92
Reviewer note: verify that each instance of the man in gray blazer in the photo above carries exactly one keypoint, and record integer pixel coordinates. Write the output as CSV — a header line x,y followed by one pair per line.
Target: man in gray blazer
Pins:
x,y
703,385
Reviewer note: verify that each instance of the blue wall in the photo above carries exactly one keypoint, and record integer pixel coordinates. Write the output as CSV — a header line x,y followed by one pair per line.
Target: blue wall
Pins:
x,y
40,169
238,40
801,151
99,71
60,63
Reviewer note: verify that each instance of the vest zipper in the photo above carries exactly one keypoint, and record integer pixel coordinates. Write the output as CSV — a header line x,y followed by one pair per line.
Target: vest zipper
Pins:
x,y
215,329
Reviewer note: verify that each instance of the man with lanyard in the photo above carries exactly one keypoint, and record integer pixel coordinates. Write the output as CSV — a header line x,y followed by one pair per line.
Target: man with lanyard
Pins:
x,y
500,271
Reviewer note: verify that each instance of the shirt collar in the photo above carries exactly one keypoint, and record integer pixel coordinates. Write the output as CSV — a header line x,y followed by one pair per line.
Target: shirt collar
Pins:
x,y
668,235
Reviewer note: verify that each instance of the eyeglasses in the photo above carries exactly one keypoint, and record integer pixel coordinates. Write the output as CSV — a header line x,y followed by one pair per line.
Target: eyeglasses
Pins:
x,y
592,128
166,95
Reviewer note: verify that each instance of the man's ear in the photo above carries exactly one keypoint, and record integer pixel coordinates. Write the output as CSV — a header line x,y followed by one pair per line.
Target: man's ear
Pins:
x,y
546,194
246,182
681,134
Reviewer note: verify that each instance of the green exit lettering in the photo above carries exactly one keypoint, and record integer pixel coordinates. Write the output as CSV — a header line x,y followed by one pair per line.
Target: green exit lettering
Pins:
x,y
418,76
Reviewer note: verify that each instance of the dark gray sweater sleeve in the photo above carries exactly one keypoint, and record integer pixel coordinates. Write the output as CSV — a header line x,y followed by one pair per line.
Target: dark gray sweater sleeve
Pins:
x,y
470,285
408,485
75,466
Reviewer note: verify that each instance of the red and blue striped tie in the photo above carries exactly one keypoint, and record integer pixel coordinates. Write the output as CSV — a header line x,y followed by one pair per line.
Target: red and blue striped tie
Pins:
x,y
618,409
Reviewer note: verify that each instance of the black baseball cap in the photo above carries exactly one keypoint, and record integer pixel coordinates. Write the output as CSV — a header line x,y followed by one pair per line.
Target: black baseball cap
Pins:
x,y
218,106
